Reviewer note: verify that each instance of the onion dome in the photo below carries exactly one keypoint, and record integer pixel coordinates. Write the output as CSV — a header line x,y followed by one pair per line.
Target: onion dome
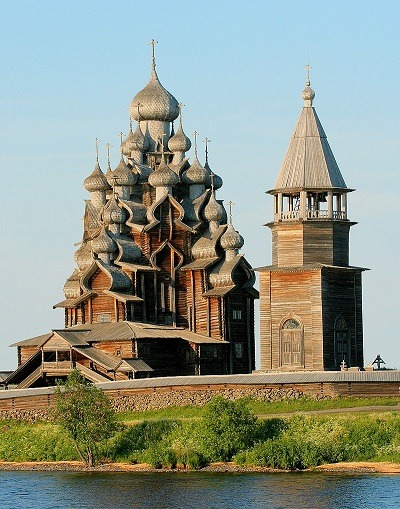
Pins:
x,y
195,174
122,175
96,181
104,243
154,102
83,256
72,287
308,94
231,239
112,213
110,175
135,142
163,176
213,211
179,142
216,180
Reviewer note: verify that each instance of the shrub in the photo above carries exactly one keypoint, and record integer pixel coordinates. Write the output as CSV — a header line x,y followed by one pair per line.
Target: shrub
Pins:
x,y
227,427
129,443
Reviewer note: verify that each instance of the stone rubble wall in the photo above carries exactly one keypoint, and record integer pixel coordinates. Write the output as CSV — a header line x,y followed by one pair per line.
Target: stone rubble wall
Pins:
x,y
142,401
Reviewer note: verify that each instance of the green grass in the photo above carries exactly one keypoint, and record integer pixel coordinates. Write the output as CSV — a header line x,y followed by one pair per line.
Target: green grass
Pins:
x,y
194,436
261,408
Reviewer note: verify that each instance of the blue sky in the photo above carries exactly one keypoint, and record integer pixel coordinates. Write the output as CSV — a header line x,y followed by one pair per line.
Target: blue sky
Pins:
x,y
70,69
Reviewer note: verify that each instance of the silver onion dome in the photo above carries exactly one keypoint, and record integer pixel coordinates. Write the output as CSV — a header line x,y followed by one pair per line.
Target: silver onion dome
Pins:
x,y
112,213
135,142
231,239
179,142
122,175
195,174
104,243
213,211
154,102
163,176
216,180
96,181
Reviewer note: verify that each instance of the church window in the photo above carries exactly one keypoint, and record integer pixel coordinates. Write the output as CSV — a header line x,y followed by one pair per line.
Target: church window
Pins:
x,y
103,317
236,314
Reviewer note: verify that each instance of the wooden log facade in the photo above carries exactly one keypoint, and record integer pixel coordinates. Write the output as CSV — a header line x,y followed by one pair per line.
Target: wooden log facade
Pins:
x,y
159,255
310,297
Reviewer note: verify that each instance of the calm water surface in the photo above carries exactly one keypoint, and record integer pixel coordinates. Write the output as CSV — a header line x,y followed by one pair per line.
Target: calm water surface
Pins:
x,y
68,490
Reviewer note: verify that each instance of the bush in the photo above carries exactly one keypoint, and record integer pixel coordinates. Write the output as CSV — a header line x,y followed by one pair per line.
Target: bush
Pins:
x,y
160,455
227,427
129,443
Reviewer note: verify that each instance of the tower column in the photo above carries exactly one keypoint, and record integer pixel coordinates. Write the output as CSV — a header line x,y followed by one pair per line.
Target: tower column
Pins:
x,y
303,204
330,204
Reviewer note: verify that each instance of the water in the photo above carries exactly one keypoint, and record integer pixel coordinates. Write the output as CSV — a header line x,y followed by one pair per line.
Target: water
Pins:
x,y
69,490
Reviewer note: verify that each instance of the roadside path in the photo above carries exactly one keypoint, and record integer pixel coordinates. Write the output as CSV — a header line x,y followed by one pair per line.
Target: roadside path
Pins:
x,y
366,409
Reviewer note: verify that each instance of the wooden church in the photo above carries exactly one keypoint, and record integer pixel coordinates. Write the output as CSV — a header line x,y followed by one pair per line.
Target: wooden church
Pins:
x,y
310,297
160,288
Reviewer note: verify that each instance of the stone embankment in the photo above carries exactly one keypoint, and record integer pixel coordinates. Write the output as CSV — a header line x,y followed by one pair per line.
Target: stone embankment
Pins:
x,y
143,401
157,400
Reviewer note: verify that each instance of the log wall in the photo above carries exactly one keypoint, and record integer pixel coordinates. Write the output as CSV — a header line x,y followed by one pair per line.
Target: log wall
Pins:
x,y
164,396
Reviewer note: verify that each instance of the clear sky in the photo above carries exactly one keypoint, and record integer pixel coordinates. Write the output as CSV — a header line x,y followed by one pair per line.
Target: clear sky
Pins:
x,y
70,69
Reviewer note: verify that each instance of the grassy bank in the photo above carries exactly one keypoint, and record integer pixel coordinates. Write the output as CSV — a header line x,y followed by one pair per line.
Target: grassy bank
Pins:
x,y
225,431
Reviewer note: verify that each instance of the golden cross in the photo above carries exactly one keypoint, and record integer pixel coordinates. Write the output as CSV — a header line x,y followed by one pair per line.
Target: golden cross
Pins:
x,y
230,203
206,141
153,58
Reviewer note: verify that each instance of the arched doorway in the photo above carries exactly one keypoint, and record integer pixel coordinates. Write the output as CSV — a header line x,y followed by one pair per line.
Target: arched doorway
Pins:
x,y
291,344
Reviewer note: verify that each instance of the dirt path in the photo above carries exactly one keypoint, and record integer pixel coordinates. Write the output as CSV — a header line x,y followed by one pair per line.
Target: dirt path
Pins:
x,y
371,409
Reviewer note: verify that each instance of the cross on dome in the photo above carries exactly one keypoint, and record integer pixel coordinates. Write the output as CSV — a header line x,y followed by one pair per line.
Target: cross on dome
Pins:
x,y
96,141
153,58
230,203
206,141
195,134
307,68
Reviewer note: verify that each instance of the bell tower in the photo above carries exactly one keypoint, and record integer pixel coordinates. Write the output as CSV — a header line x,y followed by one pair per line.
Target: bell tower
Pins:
x,y
310,297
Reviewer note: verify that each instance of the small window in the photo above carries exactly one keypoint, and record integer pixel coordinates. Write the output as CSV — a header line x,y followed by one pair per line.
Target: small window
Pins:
x,y
103,317
117,352
236,314
239,350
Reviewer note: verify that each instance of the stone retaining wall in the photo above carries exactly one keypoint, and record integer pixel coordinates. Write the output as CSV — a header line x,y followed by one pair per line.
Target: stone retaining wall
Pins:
x,y
151,400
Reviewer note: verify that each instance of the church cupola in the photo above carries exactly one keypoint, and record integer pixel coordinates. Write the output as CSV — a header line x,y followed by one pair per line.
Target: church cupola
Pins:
x,y
96,183
155,105
179,143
